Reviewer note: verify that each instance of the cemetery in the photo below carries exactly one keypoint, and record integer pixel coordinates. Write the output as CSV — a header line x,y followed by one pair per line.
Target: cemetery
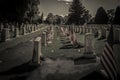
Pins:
x,y
57,45
59,40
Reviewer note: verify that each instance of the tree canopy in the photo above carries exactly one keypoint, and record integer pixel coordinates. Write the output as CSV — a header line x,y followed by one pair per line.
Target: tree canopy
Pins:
x,y
14,10
101,16
76,13
117,16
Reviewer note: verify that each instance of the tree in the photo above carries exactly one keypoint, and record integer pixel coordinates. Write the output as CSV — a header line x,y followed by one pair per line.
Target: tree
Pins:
x,y
110,13
12,10
87,16
101,16
76,12
117,16
49,19
58,19
32,12
41,17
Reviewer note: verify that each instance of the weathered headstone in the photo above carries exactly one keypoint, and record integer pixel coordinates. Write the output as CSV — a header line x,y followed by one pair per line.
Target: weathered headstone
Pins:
x,y
1,27
103,33
99,33
80,30
116,35
44,38
12,28
16,32
5,34
37,54
89,44
23,31
107,33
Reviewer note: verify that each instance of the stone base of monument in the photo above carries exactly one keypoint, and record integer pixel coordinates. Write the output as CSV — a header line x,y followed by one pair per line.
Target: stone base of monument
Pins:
x,y
86,58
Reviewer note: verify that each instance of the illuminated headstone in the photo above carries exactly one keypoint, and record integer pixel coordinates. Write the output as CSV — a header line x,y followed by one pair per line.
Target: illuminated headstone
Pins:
x,y
37,54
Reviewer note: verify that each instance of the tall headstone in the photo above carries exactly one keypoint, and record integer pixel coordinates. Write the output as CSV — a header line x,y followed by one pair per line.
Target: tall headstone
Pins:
x,y
37,54
89,43
16,32
5,34
1,27
103,33
23,31
80,30
99,33
44,38
52,32
12,28
116,35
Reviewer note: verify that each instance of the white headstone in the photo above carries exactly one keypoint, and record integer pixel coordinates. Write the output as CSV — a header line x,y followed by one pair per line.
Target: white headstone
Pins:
x,y
16,32
37,54
44,38
99,33
89,42
5,34
23,31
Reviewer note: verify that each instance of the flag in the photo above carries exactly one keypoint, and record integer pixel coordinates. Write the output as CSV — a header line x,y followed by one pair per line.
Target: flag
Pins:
x,y
108,57
73,38
66,31
63,31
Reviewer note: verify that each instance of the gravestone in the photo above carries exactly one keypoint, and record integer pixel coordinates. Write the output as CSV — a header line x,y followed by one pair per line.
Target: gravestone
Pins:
x,y
44,38
23,31
12,28
52,32
89,44
107,33
90,29
80,30
88,55
116,35
103,33
16,32
33,29
99,33
1,27
83,30
5,34
37,54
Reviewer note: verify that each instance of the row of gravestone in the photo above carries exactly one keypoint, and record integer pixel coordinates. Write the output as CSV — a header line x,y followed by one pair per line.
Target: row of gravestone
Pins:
x,y
9,32
98,30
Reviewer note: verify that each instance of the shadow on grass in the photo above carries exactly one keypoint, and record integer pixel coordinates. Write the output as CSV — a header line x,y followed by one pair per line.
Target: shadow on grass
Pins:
x,y
70,46
19,78
21,69
101,38
96,75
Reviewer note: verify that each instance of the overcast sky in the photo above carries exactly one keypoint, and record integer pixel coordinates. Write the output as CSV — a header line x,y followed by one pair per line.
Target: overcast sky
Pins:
x,y
61,7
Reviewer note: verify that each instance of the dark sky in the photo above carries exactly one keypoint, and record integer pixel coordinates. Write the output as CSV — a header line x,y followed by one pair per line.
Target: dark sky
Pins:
x,y
61,8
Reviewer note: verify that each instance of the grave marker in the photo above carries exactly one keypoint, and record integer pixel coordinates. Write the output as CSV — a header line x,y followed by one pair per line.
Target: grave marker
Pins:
x,y
37,54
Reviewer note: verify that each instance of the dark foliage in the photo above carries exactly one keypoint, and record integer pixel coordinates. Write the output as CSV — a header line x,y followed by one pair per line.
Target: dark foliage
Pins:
x,y
117,16
14,10
76,13
101,16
